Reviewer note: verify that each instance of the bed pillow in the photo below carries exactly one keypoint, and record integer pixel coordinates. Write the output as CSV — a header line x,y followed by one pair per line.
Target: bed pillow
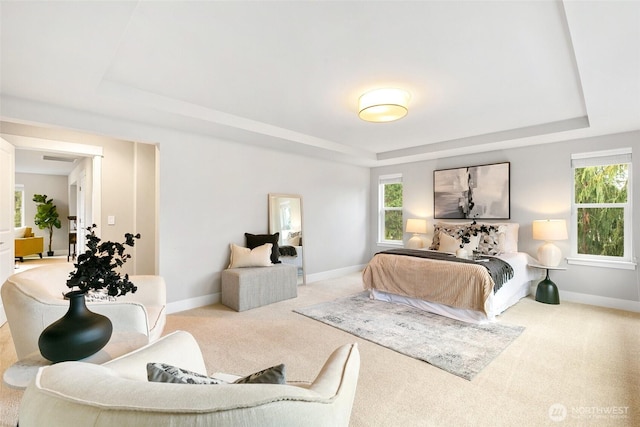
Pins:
x,y
245,257
255,240
500,238
452,229
451,244
508,236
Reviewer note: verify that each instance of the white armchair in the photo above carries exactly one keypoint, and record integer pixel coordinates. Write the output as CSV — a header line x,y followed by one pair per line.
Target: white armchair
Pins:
x,y
34,299
65,394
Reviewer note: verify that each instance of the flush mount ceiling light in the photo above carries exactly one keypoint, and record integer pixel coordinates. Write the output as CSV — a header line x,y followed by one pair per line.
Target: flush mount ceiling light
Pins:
x,y
383,105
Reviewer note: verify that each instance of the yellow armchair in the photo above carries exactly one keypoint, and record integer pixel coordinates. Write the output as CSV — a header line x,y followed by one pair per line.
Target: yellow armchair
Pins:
x,y
28,244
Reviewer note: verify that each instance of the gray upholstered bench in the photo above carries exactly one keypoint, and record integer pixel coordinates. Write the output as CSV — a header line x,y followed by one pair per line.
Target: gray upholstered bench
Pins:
x,y
251,287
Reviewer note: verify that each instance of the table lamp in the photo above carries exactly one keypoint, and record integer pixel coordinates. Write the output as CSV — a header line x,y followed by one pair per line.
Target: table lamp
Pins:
x,y
417,227
549,230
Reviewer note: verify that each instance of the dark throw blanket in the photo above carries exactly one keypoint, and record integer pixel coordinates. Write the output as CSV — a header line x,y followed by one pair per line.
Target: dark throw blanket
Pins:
x,y
499,270
288,251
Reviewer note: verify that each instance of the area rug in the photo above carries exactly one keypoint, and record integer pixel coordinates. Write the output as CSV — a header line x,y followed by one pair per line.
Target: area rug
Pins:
x,y
460,348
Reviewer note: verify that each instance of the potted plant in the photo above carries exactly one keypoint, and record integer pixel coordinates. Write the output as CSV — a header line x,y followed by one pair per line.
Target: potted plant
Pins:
x,y
46,216
81,332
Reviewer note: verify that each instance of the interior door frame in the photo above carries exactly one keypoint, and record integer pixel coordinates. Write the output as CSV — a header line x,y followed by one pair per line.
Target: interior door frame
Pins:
x,y
64,147
7,242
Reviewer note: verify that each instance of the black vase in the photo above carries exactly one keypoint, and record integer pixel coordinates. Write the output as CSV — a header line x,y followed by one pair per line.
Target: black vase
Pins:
x,y
78,334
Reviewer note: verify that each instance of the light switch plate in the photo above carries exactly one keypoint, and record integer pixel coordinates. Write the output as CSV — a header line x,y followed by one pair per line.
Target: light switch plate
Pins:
x,y
111,220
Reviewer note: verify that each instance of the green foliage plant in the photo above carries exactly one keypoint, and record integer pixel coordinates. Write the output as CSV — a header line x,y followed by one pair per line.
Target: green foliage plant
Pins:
x,y
393,219
46,215
96,268
601,228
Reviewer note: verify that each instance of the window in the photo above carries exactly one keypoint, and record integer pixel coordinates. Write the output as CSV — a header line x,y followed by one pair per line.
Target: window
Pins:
x,y
19,206
390,200
601,206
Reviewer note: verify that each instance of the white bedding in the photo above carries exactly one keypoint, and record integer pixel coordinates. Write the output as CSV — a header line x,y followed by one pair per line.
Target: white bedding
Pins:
x,y
509,294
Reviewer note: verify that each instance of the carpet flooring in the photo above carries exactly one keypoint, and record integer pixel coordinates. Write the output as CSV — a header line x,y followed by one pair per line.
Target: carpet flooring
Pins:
x,y
460,348
582,358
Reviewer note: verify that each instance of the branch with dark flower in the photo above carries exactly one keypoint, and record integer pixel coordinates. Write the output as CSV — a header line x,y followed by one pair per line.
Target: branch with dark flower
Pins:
x,y
464,234
95,268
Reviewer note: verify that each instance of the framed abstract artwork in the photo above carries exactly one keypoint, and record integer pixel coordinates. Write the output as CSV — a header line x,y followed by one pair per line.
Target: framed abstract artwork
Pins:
x,y
474,192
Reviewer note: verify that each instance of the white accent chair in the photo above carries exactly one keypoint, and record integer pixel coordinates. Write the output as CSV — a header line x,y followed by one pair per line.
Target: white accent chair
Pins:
x,y
33,299
66,394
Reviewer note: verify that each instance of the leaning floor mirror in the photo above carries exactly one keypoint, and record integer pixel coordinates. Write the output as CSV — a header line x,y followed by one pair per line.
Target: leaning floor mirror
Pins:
x,y
285,217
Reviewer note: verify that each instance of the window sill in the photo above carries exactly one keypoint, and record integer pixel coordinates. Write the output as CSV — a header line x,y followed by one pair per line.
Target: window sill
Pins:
x,y
621,265
393,244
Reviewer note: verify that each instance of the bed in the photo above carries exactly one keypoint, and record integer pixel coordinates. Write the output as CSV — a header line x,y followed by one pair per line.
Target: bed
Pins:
x,y
460,289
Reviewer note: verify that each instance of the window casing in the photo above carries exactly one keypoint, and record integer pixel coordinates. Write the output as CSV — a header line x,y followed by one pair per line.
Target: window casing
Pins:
x,y
19,206
390,221
601,209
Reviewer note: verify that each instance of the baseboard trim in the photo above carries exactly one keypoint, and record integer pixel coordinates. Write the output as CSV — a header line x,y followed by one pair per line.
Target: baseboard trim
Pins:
x,y
332,274
188,304
600,301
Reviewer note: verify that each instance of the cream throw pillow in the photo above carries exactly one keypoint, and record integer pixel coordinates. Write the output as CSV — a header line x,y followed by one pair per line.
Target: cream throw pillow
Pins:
x,y
451,244
245,257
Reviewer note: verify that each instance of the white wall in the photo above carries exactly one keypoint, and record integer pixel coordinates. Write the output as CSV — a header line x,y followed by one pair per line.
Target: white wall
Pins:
x,y
541,180
211,192
55,187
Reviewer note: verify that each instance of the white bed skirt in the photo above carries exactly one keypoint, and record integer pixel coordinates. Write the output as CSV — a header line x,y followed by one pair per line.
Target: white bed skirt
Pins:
x,y
509,294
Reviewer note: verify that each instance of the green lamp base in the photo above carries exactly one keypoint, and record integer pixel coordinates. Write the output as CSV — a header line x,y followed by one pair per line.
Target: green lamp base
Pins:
x,y
547,291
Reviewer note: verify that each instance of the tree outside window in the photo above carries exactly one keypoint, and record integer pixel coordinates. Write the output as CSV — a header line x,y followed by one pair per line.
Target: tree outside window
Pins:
x,y
602,206
18,219
391,209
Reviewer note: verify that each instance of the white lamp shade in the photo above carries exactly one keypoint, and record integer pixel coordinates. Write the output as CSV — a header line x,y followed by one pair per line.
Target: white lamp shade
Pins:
x,y
550,230
383,105
415,225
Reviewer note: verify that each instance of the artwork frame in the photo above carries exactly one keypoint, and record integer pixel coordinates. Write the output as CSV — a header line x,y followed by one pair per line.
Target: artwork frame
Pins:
x,y
473,192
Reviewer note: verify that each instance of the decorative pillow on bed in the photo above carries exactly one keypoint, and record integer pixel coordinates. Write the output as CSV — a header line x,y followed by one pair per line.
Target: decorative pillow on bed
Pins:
x,y
452,229
489,242
498,238
255,240
245,257
451,244
508,236
495,238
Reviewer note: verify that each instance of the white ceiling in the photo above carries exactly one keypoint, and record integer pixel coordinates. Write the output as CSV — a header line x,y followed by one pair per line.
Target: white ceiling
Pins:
x,y
483,75
42,162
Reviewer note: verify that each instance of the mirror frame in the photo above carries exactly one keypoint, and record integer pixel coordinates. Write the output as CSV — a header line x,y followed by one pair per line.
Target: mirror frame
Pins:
x,y
270,198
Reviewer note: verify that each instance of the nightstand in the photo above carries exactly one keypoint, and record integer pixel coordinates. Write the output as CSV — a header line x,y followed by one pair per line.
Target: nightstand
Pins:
x,y
547,291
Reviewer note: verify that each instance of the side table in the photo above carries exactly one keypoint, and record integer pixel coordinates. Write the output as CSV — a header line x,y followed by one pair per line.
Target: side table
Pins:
x,y
23,371
547,291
